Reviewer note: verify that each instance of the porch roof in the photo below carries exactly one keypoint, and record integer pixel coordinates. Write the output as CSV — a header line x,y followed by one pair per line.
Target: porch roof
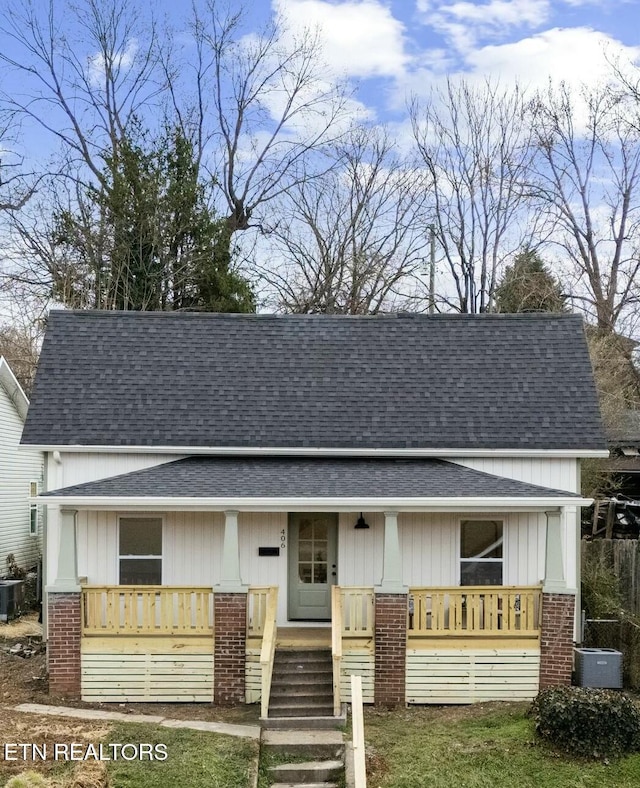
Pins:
x,y
228,481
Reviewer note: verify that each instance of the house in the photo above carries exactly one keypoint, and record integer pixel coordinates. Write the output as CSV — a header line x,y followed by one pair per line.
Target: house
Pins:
x,y
20,478
398,492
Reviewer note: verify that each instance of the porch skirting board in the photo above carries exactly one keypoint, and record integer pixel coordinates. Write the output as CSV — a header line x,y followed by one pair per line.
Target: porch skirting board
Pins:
x,y
358,663
442,676
132,674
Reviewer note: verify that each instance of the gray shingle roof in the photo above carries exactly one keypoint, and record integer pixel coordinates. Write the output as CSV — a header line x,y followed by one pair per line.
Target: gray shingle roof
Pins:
x,y
275,477
396,381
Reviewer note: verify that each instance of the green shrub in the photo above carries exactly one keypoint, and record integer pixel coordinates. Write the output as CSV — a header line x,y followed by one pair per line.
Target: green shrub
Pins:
x,y
592,723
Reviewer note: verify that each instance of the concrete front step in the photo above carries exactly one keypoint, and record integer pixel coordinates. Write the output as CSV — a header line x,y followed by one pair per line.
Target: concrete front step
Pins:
x,y
305,785
297,743
303,693
291,710
328,722
307,772
288,679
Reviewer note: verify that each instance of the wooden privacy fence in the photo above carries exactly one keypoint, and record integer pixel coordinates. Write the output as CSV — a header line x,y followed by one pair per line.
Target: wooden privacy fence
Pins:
x,y
146,610
621,557
475,611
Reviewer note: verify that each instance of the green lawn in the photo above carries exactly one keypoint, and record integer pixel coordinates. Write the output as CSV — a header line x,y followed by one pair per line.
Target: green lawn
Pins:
x,y
195,759
477,747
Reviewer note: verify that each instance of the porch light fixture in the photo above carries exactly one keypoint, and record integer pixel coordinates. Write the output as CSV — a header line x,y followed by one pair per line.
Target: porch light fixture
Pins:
x,y
361,524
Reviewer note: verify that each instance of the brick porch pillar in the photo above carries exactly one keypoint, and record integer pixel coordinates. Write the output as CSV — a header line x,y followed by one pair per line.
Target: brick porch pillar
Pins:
x,y
391,649
63,644
390,622
64,619
556,643
230,617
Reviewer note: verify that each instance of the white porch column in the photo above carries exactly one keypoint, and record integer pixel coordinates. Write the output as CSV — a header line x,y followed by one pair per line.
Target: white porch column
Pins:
x,y
555,576
230,581
66,579
392,558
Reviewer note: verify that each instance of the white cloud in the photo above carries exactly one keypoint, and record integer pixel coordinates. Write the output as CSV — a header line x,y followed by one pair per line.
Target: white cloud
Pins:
x,y
122,60
463,23
361,38
576,55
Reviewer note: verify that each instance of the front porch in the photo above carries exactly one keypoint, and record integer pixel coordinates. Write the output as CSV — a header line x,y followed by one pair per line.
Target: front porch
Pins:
x,y
460,644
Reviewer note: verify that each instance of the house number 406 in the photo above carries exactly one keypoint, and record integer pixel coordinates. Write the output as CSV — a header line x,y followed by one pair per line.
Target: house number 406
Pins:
x,y
283,539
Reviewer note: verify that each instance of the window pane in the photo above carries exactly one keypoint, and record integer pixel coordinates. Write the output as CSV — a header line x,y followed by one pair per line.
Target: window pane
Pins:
x,y
320,553
306,529
481,539
140,536
140,572
481,573
320,573
304,551
33,520
304,572
320,529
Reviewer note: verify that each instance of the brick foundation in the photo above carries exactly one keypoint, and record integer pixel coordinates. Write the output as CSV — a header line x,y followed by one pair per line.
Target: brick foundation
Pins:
x,y
556,643
63,644
391,649
230,617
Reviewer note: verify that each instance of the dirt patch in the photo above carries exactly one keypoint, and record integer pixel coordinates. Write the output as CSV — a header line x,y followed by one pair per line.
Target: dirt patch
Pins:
x,y
45,732
23,627
25,681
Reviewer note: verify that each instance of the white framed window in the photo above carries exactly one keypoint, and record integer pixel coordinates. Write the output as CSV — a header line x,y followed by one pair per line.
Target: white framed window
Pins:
x,y
34,509
481,552
140,550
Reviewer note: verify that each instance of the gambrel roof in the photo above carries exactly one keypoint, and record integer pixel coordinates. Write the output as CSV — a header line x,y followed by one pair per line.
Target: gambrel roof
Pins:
x,y
408,381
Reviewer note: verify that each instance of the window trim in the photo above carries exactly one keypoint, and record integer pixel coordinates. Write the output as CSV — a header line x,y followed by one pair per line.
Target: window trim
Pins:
x,y
144,516
483,518
34,509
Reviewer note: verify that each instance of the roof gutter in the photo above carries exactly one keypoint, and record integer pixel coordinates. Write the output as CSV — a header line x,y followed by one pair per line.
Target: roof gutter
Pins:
x,y
297,451
449,504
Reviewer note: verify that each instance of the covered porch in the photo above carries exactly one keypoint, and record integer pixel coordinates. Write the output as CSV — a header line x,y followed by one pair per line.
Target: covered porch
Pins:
x,y
440,598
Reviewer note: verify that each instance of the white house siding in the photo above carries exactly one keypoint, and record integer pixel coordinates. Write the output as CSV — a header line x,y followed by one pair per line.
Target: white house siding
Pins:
x,y
81,467
18,467
559,473
192,548
430,544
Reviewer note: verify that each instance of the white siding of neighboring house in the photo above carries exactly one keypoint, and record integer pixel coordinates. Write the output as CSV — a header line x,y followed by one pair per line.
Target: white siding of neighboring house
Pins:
x,y
18,467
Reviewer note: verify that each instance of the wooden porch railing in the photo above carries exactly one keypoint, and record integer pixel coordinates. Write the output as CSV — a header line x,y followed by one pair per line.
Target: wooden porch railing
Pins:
x,y
352,616
498,611
257,600
336,645
267,653
146,610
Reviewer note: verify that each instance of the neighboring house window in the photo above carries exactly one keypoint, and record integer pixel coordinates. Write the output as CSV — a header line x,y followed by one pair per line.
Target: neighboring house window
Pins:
x,y
140,542
481,553
33,509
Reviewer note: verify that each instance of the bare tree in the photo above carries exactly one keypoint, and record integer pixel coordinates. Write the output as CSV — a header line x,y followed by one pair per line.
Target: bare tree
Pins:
x,y
475,144
86,103
587,180
353,241
263,107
